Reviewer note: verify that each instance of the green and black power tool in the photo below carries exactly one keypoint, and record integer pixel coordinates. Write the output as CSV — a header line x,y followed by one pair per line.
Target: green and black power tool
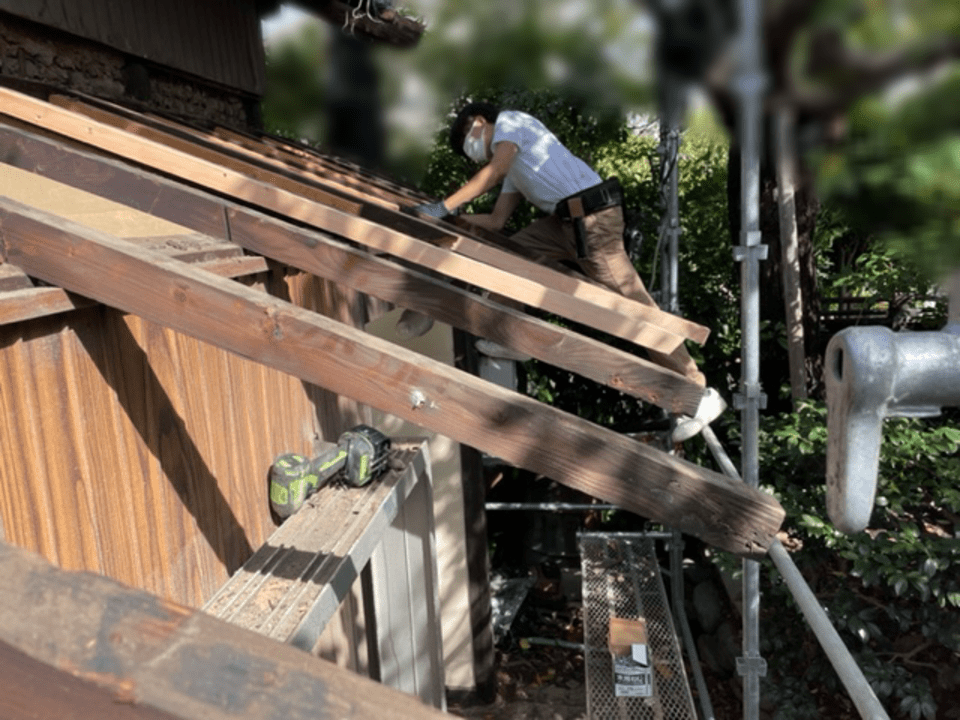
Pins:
x,y
361,454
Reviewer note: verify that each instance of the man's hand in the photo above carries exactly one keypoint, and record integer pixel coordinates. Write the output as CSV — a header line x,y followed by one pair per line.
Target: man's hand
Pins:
x,y
435,210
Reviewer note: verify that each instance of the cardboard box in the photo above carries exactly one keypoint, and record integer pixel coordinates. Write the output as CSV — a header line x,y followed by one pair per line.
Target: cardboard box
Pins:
x,y
632,664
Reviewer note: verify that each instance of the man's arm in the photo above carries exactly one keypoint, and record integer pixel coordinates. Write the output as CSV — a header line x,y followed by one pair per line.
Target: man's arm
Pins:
x,y
486,177
502,210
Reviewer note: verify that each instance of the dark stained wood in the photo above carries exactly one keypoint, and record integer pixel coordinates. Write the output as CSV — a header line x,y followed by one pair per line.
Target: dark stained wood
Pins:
x,y
205,152
32,690
214,39
378,228
518,429
60,161
365,184
325,257
20,300
390,27
13,278
94,640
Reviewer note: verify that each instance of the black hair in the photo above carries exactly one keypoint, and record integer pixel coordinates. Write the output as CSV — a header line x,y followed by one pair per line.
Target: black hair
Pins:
x,y
459,129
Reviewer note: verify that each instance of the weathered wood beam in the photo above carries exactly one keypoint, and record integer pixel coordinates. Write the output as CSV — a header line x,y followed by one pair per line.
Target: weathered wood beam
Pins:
x,y
558,346
30,689
325,257
376,227
348,362
464,238
85,646
36,302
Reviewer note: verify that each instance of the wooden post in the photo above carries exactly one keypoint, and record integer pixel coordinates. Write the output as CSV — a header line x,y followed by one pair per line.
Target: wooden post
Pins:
x,y
792,298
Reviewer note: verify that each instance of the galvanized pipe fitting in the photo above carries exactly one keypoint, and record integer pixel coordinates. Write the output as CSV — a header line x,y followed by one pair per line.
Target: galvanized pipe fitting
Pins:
x,y
873,373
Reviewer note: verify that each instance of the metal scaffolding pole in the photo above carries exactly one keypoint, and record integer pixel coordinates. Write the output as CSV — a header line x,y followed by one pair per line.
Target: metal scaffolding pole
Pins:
x,y
672,109
749,86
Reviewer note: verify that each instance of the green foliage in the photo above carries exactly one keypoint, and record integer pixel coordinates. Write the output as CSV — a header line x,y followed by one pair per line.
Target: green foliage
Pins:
x,y
294,99
898,175
892,592
535,45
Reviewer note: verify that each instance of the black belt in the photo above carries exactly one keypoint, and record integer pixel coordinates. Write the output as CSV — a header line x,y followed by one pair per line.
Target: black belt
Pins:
x,y
586,202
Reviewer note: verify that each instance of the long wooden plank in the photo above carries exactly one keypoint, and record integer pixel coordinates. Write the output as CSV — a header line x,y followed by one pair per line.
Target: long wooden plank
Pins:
x,y
558,346
291,586
427,393
630,321
157,660
325,257
31,303
465,239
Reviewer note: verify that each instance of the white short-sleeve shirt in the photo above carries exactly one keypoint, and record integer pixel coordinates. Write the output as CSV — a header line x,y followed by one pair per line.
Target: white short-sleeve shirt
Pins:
x,y
543,170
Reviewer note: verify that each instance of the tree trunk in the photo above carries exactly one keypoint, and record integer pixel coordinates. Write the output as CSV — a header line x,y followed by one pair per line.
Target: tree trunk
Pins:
x,y
774,359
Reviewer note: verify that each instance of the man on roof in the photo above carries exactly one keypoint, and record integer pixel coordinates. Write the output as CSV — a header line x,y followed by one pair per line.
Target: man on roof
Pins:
x,y
583,223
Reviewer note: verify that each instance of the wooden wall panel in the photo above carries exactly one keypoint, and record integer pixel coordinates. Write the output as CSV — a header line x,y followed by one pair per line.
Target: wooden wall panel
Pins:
x,y
214,39
142,454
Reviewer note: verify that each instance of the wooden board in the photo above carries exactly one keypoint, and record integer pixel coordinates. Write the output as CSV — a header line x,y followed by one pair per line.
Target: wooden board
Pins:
x,y
323,256
367,230
33,690
383,210
523,432
155,659
292,586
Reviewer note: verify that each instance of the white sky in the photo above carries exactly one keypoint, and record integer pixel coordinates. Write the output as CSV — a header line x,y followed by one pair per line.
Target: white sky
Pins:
x,y
286,17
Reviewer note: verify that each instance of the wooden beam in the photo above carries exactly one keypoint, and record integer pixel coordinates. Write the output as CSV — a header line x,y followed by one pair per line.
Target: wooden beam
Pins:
x,y
35,302
427,393
560,347
325,257
94,648
13,278
294,584
587,303
30,689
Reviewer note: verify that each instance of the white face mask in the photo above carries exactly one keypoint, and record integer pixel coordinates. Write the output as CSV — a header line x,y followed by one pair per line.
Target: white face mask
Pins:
x,y
475,148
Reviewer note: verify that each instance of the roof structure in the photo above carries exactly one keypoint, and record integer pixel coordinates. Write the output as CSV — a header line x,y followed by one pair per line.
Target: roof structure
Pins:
x,y
242,201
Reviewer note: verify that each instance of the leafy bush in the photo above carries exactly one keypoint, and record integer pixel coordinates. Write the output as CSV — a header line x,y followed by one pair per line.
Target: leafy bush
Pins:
x,y
892,591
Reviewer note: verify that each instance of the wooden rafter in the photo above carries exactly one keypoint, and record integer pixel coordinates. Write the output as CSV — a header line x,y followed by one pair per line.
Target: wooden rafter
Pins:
x,y
346,361
82,645
367,187
326,257
376,227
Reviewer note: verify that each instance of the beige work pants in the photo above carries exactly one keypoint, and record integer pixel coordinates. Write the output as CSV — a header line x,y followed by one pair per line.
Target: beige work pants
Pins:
x,y
607,262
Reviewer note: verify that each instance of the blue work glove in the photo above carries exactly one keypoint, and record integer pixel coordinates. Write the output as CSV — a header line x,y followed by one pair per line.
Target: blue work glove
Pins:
x,y
435,210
